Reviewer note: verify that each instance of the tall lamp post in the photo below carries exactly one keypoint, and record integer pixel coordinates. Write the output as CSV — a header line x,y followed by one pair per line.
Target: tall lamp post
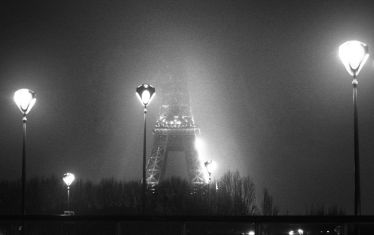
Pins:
x,y
68,179
25,100
353,55
145,94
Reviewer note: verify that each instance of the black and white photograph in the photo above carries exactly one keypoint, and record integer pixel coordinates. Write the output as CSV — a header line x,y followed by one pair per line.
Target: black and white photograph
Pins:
x,y
187,117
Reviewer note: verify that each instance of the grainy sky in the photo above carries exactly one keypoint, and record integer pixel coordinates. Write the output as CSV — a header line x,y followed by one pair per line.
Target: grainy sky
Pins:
x,y
267,89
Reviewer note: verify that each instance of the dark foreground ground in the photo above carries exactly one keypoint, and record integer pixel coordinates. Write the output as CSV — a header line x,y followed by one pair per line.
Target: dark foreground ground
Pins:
x,y
183,225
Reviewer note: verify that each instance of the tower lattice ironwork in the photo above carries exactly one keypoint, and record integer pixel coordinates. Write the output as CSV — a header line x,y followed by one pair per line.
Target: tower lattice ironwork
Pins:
x,y
175,130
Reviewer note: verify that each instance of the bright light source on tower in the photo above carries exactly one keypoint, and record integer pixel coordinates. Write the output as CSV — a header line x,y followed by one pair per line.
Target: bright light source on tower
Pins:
x,y
353,55
145,93
25,100
199,144
201,149
68,178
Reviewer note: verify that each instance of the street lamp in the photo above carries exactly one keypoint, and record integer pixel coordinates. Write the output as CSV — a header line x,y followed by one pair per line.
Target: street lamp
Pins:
x,y
145,94
68,179
353,55
25,100
210,166
207,165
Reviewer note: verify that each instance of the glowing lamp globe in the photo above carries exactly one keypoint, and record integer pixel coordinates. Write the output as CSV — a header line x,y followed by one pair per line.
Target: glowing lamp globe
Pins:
x,y
145,93
68,178
25,100
353,55
210,166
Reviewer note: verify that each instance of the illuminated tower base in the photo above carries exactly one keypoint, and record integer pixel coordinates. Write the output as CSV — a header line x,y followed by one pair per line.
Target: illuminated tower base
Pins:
x,y
173,139
175,130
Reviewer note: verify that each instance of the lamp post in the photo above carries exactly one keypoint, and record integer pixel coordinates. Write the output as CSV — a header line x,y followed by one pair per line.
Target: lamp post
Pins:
x,y
145,94
353,55
68,179
208,167
25,100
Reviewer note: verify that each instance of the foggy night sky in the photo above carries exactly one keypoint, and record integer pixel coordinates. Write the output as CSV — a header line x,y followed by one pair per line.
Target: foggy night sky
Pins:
x,y
268,91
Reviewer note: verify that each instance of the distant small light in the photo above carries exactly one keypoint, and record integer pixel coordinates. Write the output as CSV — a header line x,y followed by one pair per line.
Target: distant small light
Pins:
x,y
291,232
300,231
251,233
68,178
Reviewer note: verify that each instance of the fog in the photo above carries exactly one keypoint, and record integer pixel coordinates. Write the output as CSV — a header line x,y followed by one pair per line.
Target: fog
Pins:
x,y
269,94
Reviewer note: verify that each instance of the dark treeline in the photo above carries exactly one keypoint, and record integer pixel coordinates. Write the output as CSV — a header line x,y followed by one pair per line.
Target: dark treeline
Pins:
x,y
232,194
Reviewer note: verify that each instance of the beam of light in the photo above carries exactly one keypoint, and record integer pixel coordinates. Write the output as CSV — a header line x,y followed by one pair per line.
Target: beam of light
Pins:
x,y
68,178
200,148
201,152
353,55
24,99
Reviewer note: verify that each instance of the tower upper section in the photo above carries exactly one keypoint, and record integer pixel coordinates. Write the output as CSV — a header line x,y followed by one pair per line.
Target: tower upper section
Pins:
x,y
175,111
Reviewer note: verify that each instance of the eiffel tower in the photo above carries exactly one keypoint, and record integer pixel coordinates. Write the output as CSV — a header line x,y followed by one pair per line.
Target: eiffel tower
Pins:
x,y
175,130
